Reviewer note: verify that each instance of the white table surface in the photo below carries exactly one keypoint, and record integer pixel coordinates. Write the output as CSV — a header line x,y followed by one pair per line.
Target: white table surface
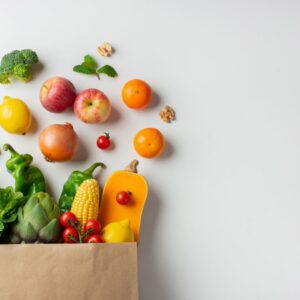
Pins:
x,y
222,219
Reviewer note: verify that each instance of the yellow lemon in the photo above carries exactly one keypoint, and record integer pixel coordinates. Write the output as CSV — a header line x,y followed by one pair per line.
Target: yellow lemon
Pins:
x,y
118,232
15,116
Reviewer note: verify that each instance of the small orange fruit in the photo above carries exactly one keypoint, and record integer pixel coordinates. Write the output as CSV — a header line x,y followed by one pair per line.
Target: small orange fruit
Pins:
x,y
136,94
149,142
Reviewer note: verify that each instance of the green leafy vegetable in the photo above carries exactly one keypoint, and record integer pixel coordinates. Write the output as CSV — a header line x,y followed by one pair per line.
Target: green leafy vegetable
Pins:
x,y
89,67
10,201
108,70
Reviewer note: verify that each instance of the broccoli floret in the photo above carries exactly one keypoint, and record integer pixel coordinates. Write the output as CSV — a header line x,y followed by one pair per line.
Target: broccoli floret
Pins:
x,y
30,57
11,59
22,72
17,64
8,62
4,78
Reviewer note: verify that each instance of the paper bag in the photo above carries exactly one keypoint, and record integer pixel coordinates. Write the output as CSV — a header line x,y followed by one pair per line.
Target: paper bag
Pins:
x,y
68,272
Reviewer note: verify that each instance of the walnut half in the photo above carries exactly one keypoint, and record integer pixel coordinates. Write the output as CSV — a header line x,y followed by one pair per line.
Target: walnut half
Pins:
x,y
167,114
105,49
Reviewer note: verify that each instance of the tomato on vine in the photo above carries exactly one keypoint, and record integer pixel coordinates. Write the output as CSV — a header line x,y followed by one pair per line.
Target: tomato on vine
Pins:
x,y
68,219
70,235
94,238
92,227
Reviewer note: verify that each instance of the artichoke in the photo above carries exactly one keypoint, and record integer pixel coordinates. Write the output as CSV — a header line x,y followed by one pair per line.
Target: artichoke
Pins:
x,y
37,221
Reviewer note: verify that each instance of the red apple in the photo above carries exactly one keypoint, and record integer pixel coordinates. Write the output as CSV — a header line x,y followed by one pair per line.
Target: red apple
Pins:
x,y
92,106
57,94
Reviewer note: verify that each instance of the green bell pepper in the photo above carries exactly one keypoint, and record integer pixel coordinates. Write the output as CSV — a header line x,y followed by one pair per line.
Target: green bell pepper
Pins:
x,y
72,184
28,179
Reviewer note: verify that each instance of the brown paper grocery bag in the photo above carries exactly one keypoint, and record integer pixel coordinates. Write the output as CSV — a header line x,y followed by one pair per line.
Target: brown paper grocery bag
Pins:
x,y
68,272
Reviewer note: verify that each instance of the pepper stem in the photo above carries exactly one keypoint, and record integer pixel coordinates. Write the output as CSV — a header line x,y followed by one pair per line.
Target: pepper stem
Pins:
x,y
132,167
7,147
91,169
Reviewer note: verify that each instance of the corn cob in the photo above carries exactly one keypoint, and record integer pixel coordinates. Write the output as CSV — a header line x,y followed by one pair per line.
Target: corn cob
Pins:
x,y
86,202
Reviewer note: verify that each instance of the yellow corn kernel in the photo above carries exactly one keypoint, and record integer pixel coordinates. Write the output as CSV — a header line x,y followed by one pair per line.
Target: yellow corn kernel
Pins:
x,y
86,202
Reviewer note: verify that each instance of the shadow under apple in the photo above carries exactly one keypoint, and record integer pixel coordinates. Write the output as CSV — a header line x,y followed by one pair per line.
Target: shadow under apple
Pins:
x,y
114,117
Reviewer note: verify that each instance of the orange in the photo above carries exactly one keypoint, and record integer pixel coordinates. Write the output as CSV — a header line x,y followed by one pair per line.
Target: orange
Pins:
x,y
136,94
149,142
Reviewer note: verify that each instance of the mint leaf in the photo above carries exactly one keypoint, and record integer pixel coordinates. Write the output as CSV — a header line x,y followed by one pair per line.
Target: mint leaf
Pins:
x,y
89,62
84,70
108,70
89,65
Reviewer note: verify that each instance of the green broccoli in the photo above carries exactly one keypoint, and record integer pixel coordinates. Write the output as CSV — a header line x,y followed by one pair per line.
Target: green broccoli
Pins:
x,y
17,64
22,72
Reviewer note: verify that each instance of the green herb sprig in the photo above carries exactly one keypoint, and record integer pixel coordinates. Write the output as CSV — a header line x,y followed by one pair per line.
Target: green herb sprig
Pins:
x,y
89,66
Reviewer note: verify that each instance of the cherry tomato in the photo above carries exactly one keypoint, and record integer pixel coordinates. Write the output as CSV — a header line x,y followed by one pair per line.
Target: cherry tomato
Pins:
x,y
123,197
70,235
94,238
92,226
68,219
103,141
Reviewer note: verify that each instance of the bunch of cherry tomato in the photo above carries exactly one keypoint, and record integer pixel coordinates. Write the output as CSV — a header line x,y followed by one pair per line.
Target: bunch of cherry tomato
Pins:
x,y
91,229
72,230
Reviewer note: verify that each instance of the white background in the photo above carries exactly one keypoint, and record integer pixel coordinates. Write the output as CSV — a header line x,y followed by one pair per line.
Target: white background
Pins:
x,y
222,218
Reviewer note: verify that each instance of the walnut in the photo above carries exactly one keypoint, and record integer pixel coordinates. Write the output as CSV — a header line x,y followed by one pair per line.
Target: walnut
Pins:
x,y
105,49
167,114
